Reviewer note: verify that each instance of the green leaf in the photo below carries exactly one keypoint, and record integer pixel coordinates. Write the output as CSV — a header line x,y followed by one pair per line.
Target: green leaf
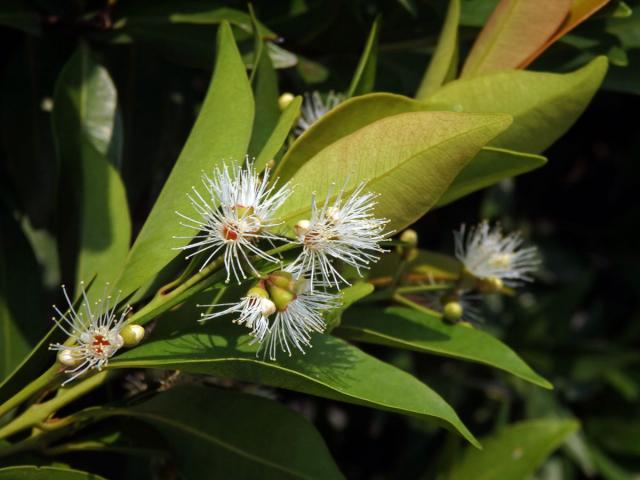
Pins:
x,y
21,318
488,167
279,134
332,368
192,12
444,61
19,14
619,436
409,159
232,435
343,120
221,132
31,472
513,33
406,328
514,452
265,90
365,75
83,123
348,296
543,105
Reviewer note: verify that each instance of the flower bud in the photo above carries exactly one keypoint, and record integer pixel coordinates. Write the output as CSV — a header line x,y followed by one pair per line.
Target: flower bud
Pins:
x,y
132,335
285,99
453,311
410,237
257,292
271,164
490,285
280,297
301,228
66,358
267,307
281,279
408,252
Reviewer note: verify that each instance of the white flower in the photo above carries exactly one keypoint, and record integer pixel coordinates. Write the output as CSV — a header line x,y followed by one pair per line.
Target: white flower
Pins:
x,y
294,323
342,230
254,310
488,253
95,330
315,107
235,214
285,321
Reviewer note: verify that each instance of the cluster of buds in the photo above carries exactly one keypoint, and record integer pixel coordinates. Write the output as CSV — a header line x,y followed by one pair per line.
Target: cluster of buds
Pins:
x,y
281,312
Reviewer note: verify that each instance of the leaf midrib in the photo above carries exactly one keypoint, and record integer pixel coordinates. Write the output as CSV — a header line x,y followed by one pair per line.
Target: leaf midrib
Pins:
x,y
212,439
399,165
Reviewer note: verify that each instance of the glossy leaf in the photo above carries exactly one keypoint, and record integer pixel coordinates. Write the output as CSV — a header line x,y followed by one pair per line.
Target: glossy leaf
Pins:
x,y
279,135
490,166
365,76
409,159
332,368
515,30
222,131
31,472
406,328
544,103
22,322
444,61
232,435
343,120
83,122
580,11
349,295
265,91
513,452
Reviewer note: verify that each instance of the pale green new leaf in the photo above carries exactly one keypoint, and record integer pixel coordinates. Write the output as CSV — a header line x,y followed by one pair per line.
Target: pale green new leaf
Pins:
x,y
343,120
543,105
443,63
332,368
514,452
84,117
406,328
222,132
279,134
408,159
490,166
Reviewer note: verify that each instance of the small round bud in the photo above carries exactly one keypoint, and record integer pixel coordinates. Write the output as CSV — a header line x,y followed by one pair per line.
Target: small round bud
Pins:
x,y
410,237
267,307
271,164
453,311
257,292
301,228
281,297
281,279
66,358
490,285
132,335
285,99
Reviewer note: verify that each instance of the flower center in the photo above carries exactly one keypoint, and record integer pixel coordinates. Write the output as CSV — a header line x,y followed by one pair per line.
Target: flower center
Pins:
x,y
99,344
501,260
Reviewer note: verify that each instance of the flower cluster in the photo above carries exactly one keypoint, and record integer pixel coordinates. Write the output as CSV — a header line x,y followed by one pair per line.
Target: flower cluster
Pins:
x,y
237,219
